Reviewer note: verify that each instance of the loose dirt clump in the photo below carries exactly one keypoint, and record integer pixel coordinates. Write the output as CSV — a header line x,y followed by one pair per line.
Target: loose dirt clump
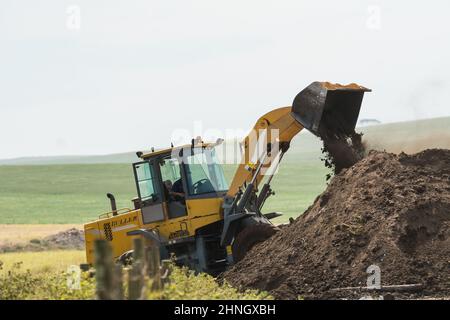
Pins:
x,y
392,211
69,239
341,151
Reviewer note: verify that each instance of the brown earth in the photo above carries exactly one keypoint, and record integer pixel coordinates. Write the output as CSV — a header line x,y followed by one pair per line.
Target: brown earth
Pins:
x,y
388,210
69,239
342,152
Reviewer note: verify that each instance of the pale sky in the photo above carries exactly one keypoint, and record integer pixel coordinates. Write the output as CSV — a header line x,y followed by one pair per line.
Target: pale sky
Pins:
x,y
127,74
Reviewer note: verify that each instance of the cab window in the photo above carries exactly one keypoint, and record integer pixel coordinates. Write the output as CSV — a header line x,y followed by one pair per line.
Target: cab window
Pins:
x,y
170,172
145,179
204,173
173,187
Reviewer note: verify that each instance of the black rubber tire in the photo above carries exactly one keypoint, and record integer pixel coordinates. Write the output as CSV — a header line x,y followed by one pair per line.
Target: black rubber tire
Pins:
x,y
249,236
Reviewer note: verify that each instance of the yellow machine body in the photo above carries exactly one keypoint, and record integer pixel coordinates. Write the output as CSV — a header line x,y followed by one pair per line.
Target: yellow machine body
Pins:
x,y
115,228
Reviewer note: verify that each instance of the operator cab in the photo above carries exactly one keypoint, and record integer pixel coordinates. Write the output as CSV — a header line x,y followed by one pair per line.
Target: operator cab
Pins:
x,y
167,180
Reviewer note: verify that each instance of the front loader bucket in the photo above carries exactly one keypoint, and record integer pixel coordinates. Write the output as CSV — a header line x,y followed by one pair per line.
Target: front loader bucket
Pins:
x,y
328,109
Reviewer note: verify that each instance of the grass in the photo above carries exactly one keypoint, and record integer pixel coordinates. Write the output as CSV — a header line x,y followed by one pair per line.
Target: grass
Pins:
x,y
42,261
58,194
75,194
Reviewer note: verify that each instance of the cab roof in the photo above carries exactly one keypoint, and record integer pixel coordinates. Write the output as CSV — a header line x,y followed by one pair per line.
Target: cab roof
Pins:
x,y
155,153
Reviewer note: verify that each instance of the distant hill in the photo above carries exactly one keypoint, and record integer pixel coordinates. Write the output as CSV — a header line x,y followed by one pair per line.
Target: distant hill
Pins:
x,y
126,157
411,136
368,122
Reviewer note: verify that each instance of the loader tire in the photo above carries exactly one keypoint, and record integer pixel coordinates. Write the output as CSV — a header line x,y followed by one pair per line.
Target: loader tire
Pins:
x,y
249,236
126,258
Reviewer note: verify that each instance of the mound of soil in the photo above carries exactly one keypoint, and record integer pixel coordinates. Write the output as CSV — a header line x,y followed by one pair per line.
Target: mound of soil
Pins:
x,y
392,211
69,239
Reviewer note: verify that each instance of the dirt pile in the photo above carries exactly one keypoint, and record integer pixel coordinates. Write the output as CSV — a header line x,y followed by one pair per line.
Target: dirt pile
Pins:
x,y
69,239
388,210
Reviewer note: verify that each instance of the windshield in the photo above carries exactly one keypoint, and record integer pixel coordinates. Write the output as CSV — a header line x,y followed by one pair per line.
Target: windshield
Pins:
x,y
204,173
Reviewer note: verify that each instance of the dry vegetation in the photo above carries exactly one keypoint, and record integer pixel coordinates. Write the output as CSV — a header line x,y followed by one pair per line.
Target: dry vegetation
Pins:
x,y
42,262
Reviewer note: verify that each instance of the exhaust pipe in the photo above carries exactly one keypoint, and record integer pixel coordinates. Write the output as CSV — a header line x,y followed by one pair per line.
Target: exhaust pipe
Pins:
x,y
113,203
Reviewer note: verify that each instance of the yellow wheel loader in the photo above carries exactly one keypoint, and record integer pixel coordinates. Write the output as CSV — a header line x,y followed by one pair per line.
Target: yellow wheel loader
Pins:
x,y
184,204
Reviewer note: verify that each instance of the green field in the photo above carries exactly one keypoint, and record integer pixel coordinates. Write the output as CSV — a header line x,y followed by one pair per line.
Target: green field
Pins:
x,y
62,193
76,193
42,192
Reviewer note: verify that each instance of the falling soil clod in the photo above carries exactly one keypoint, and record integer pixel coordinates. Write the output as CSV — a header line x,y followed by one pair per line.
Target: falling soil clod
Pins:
x,y
341,151
392,211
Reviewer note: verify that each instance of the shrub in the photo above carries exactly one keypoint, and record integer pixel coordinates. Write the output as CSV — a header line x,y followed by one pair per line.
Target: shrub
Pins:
x,y
16,284
184,284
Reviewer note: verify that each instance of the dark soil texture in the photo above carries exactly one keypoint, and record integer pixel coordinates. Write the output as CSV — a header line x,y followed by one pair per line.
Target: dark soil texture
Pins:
x,y
392,211
342,152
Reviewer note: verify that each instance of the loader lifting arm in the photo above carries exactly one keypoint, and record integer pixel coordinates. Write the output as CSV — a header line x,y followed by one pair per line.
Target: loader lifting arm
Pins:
x,y
323,108
269,137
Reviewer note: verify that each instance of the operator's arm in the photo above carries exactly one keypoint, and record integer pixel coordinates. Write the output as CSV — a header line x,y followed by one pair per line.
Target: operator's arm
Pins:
x,y
177,189
277,127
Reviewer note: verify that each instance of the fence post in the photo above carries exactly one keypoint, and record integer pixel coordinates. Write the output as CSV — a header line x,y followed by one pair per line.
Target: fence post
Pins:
x,y
104,274
154,267
138,249
136,285
118,283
